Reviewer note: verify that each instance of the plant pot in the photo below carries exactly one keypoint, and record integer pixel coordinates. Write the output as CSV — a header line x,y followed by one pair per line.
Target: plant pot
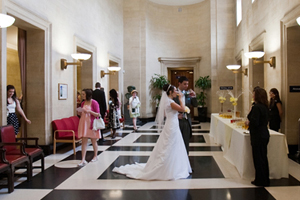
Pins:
x,y
202,114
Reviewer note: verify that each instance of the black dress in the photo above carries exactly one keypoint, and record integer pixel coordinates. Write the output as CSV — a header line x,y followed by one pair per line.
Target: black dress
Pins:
x,y
259,136
274,122
113,117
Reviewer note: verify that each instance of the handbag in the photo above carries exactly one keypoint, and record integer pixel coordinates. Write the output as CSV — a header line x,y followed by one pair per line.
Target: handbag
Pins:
x,y
98,123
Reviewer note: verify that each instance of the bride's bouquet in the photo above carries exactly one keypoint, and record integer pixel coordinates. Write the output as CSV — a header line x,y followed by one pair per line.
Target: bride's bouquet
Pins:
x,y
187,110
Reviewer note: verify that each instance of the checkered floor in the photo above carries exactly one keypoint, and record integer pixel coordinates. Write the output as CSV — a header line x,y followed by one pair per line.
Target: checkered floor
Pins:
x,y
213,177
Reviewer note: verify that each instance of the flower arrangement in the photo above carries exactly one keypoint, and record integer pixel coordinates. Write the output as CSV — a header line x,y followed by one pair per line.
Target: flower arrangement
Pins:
x,y
222,94
187,110
222,99
233,99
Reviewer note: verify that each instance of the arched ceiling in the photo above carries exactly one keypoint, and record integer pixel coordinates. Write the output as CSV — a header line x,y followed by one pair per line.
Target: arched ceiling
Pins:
x,y
176,2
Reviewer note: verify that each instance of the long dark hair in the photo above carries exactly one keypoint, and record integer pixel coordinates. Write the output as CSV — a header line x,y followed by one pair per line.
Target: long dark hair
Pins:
x,y
88,94
276,98
168,88
261,96
114,95
14,96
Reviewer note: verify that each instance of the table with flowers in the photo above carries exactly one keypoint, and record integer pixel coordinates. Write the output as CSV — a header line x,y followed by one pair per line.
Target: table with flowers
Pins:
x,y
236,146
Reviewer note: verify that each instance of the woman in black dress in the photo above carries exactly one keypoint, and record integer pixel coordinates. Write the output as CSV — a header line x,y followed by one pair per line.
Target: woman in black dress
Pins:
x,y
259,136
275,109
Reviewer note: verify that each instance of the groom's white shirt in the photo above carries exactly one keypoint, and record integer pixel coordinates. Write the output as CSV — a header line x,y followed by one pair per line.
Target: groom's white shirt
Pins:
x,y
183,97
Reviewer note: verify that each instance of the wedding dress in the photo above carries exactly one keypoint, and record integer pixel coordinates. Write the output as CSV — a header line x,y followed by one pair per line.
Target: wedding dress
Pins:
x,y
168,160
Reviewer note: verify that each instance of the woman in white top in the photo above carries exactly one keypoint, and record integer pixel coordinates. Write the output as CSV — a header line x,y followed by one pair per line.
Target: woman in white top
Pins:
x,y
12,104
134,107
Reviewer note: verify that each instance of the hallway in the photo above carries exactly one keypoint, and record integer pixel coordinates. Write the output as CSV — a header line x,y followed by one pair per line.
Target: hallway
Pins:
x,y
213,177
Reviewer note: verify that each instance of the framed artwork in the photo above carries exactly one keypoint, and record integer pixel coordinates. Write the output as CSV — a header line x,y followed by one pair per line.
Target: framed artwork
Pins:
x,y
62,91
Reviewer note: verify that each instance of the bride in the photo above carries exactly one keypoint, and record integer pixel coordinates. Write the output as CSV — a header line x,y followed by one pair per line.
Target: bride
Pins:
x,y
168,160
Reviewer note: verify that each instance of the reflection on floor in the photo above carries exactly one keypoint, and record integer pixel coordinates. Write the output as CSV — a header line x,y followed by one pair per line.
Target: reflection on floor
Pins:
x,y
213,176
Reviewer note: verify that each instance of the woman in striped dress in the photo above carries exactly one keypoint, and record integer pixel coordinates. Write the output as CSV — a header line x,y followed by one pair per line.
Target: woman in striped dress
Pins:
x,y
12,104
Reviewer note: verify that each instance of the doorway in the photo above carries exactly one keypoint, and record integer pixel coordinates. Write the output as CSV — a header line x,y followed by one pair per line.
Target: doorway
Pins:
x,y
291,105
113,79
28,74
83,77
175,73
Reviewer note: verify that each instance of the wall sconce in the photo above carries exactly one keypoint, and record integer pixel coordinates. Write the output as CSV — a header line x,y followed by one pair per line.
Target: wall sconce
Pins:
x,y
298,20
112,70
258,54
77,56
6,20
235,69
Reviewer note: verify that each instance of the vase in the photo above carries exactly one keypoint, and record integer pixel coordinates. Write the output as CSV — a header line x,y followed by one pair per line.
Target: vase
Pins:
x,y
221,111
234,112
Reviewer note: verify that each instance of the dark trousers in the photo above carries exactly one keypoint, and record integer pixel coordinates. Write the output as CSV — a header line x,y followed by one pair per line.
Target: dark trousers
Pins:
x,y
185,129
261,164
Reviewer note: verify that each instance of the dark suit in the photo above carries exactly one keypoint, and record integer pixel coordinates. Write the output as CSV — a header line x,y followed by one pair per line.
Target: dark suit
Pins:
x,y
259,136
185,124
99,96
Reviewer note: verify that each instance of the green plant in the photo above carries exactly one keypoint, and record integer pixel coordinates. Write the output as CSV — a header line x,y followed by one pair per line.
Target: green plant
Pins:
x,y
203,83
156,83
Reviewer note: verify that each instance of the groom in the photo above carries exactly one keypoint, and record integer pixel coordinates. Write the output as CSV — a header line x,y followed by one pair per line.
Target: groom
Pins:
x,y
189,100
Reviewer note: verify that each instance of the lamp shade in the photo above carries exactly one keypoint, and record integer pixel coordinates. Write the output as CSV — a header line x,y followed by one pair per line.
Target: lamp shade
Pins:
x,y
233,67
6,20
81,56
254,54
298,20
114,68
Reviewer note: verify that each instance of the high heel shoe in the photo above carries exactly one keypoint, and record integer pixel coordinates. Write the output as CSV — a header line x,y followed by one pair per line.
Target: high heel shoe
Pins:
x,y
81,164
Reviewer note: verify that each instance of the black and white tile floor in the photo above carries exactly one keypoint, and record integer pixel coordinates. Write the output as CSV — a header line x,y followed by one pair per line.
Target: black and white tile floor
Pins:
x,y
213,177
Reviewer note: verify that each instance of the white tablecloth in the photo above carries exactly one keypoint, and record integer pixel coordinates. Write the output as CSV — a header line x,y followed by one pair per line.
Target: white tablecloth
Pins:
x,y
237,148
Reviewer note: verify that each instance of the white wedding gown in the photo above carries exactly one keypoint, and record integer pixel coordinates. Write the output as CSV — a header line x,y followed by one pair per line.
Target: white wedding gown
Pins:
x,y
168,160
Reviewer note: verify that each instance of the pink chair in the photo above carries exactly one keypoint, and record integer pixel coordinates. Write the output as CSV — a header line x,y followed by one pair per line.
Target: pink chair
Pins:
x,y
66,131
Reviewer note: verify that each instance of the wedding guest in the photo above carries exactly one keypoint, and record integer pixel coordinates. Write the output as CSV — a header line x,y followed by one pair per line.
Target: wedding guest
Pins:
x,y
13,104
89,111
134,107
113,117
275,109
99,96
259,136
119,109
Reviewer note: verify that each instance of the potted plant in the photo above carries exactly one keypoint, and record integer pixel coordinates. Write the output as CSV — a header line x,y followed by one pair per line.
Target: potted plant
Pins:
x,y
203,83
156,83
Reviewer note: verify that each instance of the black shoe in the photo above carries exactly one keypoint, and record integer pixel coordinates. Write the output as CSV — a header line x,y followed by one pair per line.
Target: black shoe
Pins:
x,y
259,184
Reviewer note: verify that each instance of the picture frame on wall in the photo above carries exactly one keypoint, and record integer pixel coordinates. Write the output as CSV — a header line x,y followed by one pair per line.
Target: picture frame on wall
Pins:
x,y
62,91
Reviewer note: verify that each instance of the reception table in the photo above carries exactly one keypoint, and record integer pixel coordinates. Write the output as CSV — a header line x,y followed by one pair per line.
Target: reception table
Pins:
x,y
237,148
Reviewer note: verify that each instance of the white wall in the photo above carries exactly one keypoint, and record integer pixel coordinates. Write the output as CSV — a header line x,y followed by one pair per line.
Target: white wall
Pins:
x,y
266,16
98,24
